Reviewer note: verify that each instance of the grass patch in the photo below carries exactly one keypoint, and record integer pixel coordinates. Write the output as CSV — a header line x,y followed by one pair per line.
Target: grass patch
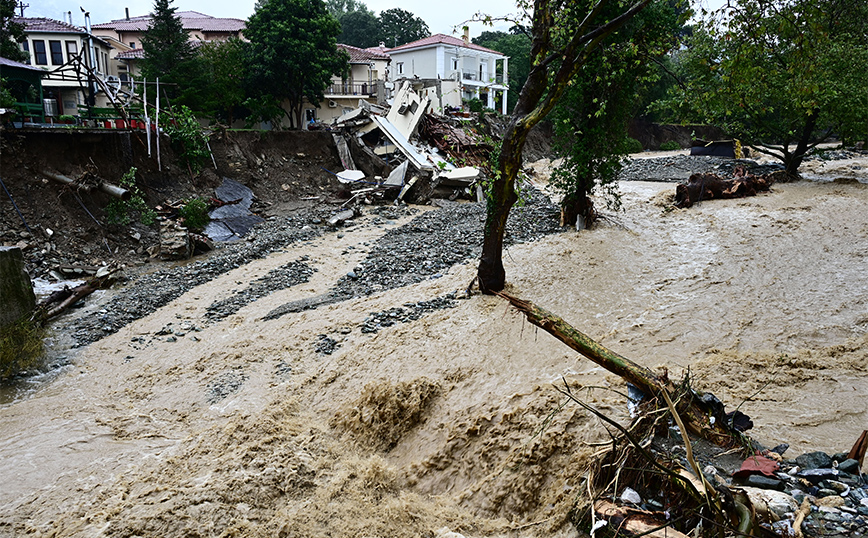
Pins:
x,y
21,347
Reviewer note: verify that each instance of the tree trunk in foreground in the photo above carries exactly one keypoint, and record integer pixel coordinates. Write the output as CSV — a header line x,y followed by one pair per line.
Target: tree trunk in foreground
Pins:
x,y
694,412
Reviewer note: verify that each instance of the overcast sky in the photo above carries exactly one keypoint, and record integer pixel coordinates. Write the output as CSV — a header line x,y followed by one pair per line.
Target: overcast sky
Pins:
x,y
442,16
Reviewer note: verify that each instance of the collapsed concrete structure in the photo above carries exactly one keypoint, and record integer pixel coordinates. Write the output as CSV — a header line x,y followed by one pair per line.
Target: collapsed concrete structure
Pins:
x,y
415,151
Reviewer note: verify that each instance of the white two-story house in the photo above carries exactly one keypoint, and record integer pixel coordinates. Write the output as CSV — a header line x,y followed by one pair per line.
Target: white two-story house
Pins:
x,y
52,44
462,70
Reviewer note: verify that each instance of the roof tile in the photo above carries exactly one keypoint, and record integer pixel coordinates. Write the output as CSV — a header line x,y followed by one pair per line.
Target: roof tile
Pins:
x,y
442,39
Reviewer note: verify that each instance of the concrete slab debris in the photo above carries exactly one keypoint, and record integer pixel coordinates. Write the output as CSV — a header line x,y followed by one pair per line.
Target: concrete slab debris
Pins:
x,y
350,176
391,138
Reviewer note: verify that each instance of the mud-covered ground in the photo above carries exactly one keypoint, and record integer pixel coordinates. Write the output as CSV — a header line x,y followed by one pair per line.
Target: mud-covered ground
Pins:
x,y
366,396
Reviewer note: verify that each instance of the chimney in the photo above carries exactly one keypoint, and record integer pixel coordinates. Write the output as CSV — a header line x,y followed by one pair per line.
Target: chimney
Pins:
x,y
128,12
466,35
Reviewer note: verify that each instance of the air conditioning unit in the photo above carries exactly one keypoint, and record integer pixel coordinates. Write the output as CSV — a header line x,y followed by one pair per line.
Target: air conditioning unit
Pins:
x,y
332,104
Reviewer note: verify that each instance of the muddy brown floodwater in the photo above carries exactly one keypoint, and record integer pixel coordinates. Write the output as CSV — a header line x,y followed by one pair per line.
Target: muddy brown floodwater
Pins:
x,y
449,423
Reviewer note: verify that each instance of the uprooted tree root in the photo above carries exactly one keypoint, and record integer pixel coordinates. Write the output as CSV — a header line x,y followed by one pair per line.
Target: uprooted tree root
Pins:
x,y
684,502
678,499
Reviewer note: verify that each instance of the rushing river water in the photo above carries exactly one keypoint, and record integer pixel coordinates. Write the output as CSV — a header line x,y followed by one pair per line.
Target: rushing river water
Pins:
x,y
446,423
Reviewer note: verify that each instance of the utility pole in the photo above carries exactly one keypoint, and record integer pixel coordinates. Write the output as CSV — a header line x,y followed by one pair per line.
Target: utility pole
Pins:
x,y
21,6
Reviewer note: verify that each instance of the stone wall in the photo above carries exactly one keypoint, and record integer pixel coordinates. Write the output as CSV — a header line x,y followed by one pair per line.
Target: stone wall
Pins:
x,y
16,292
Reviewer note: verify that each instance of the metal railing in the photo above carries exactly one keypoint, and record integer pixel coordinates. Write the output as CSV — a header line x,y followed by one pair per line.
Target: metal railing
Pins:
x,y
341,88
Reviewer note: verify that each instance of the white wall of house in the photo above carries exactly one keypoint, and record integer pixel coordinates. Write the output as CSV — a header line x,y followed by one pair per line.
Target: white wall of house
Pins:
x,y
473,70
51,50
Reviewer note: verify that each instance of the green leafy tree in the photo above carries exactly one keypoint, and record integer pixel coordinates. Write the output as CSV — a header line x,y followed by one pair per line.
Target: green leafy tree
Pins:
x,y
360,29
168,53
781,75
398,27
11,33
517,47
293,53
224,69
590,121
339,8
564,37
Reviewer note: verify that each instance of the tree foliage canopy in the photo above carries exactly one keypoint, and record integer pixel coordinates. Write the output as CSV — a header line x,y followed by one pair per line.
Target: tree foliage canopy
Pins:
x,y
590,121
224,72
360,29
293,52
167,48
11,33
517,47
339,8
781,75
398,27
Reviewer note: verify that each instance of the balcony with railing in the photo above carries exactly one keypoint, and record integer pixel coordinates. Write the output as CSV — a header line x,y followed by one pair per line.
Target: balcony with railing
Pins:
x,y
345,88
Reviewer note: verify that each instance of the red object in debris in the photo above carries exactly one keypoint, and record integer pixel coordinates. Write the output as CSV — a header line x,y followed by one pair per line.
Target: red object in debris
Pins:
x,y
120,124
107,124
757,464
134,124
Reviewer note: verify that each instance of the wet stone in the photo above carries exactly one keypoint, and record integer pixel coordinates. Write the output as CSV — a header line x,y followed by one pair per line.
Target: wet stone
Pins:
x,y
764,482
325,345
815,476
224,385
849,466
814,460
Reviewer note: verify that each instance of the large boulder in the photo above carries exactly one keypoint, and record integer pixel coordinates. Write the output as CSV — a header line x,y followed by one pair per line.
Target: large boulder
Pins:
x,y
16,291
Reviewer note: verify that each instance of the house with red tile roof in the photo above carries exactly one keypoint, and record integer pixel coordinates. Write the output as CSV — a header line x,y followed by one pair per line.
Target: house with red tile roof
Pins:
x,y
199,26
125,35
365,79
460,69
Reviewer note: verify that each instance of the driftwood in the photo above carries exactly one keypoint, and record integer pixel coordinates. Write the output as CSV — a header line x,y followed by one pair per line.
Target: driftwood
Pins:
x,y
623,521
708,186
703,415
693,501
56,303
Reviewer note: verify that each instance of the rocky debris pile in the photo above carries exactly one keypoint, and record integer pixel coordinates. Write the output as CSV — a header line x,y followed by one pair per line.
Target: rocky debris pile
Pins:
x,y
818,493
409,312
431,243
676,168
424,248
149,292
225,384
830,489
325,345
835,155
286,276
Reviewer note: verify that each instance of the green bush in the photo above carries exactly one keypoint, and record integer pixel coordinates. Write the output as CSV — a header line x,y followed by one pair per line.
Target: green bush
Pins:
x,y
631,145
188,138
195,214
670,145
21,347
475,105
121,211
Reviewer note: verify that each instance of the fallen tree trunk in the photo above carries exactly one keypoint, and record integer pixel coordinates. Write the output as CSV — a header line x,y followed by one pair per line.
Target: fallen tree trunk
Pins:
x,y
56,303
708,186
702,416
